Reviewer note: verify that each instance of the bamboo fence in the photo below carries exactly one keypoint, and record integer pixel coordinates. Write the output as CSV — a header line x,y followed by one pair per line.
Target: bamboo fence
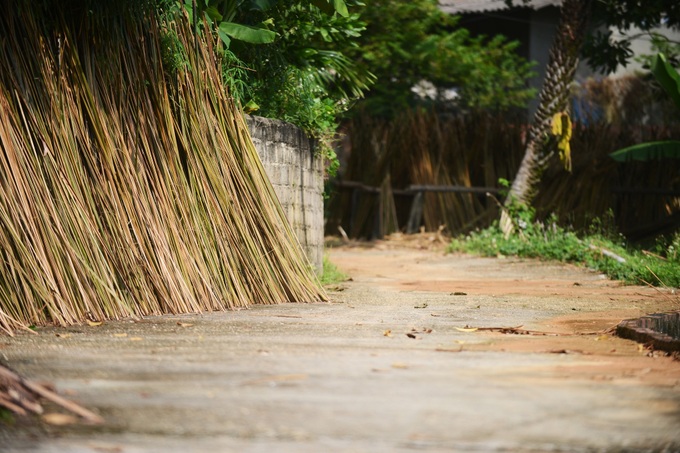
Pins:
x,y
475,150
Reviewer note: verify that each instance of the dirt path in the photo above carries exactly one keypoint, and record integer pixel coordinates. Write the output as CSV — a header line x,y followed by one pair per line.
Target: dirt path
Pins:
x,y
574,307
392,364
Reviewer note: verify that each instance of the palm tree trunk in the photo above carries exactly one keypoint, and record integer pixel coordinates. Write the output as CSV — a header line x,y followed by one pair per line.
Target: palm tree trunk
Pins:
x,y
553,99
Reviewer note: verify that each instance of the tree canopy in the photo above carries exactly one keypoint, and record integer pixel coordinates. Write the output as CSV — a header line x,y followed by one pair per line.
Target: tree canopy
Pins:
x,y
407,43
322,61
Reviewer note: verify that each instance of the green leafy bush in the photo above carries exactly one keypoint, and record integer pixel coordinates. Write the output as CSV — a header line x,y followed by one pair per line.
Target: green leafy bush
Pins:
x,y
303,76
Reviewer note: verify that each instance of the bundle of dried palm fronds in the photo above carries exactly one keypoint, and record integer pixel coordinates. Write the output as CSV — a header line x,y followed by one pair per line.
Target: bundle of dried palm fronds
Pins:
x,y
126,189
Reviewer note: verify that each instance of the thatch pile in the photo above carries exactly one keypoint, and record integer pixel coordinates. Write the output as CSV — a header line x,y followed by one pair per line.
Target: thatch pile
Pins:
x,y
125,189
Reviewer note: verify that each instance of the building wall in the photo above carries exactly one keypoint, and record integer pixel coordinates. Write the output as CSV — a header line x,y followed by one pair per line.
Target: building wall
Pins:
x,y
297,176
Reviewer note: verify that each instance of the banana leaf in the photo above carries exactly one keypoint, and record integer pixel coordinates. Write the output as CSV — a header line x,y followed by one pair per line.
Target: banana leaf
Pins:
x,y
329,7
648,151
247,33
667,77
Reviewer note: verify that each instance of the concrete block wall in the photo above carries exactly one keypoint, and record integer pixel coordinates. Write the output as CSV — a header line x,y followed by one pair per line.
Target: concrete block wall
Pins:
x,y
297,176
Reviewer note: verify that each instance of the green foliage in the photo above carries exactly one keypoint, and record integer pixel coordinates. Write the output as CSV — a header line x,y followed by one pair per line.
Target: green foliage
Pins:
x,y
292,94
220,14
303,77
668,78
320,58
331,6
408,42
491,74
281,59
173,53
235,76
600,250
669,149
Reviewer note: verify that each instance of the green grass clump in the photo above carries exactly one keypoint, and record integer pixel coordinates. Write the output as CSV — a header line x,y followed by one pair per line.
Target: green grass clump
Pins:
x,y
331,273
601,251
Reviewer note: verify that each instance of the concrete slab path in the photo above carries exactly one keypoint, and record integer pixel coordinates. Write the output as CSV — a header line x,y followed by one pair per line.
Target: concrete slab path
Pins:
x,y
390,365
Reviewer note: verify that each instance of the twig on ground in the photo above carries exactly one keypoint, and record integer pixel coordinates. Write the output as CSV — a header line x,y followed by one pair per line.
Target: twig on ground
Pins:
x,y
345,238
608,253
21,396
517,330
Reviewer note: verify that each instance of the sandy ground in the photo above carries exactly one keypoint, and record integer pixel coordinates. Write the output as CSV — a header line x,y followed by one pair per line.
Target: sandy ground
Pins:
x,y
399,361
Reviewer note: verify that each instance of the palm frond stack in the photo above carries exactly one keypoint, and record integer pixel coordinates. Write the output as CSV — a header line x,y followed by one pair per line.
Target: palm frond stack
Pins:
x,y
127,189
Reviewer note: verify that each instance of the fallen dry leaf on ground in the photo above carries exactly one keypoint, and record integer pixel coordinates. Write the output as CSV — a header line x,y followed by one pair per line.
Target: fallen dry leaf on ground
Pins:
x,y
449,349
467,329
568,351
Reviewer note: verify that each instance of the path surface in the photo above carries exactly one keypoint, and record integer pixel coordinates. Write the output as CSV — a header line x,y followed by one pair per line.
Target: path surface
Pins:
x,y
388,366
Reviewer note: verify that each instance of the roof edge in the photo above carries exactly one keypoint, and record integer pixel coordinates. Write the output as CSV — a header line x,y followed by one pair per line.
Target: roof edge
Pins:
x,y
481,6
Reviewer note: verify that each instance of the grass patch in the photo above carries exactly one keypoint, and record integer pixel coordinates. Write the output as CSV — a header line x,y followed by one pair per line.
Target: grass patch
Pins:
x,y
331,274
598,250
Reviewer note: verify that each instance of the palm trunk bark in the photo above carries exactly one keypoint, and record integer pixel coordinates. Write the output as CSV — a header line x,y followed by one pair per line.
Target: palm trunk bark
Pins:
x,y
553,99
